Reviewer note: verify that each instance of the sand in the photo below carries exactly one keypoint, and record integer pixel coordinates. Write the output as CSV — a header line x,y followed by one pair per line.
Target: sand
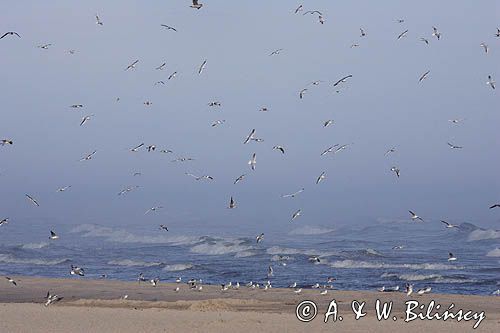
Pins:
x,y
96,306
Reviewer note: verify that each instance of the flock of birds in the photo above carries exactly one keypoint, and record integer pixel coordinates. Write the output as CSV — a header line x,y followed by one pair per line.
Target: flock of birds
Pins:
x,y
252,162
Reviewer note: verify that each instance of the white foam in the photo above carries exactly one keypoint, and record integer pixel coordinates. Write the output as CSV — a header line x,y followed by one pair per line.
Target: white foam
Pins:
x,y
177,267
310,230
494,253
483,234
244,254
34,246
365,264
9,259
219,248
132,263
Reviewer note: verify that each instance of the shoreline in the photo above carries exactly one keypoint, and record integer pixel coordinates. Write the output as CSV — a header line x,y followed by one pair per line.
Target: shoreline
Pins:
x,y
245,309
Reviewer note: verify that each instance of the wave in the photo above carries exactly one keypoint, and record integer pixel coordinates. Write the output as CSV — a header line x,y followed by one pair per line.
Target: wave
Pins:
x,y
419,277
34,246
244,254
483,234
9,259
289,251
365,264
122,236
177,267
132,263
494,253
220,247
310,230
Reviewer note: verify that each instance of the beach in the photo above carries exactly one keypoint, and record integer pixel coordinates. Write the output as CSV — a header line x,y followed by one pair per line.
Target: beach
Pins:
x,y
98,306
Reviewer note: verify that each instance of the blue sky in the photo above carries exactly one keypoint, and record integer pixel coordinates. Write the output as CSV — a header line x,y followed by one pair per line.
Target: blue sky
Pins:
x,y
382,106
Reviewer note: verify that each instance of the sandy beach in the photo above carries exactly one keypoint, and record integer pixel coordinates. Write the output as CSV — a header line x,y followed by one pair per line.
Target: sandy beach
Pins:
x,y
97,306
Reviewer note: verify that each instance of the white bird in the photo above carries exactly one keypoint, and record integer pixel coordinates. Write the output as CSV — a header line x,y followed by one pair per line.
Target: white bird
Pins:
x,y
176,289
89,156
314,259
10,33
4,221
425,40
52,298
342,80
451,257
292,195
153,209
199,177
132,65
280,148
136,148
485,47
392,150
253,161
297,291
449,225
293,285
275,52
424,291
497,34
53,235
196,5
62,189
298,9
270,271
232,203
321,19
321,177
161,67
362,32
396,170
154,282
202,67
171,76
491,82
250,136
415,216
33,200
259,238
240,178
423,76
214,103
328,150
327,123
45,46
85,119
98,20
128,189
409,289
218,122
302,92
397,247
75,270
11,280
324,292
296,214
452,146
456,121
178,280
403,34
163,227
436,33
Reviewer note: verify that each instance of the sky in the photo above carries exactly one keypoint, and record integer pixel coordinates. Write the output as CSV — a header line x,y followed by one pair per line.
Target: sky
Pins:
x,y
382,106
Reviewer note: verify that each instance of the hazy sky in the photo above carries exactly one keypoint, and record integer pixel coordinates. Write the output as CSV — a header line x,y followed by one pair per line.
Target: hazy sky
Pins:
x,y
382,106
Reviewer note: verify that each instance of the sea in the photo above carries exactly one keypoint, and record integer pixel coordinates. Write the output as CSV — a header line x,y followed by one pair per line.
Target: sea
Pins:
x,y
358,257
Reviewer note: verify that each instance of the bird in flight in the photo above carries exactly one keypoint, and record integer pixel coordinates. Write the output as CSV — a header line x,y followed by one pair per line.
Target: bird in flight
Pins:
x,y
362,31
218,122
275,52
425,40
89,156
136,148
10,33
280,148
168,27
342,80
424,76
328,150
436,33
396,171
4,142
328,123
485,47
171,76
163,227
161,67
312,12
392,150
196,5
250,137
296,214
456,121
451,257
293,195
321,19
52,298
302,92
403,34
62,189
44,46
495,206
259,238
239,179
76,106
452,146
253,161
53,235
199,177
33,200
490,82
85,119
202,67
11,280
321,177
98,20
4,221
232,203
153,209
298,9
415,216
132,65
449,225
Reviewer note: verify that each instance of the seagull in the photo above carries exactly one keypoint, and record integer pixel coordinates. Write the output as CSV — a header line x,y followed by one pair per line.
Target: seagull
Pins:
x,y
324,292
495,206
75,270
214,103
232,203
249,137
295,215
452,146
490,82
89,156
127,189
485,47
342,80
312,12
98,20
298,9
424,291
218,122
354,45
166,151
321,177
52,298
425,40
263,109
456,121
141,278
400,21
436,33
328,123
297,291
154,282
132,65
328,150
148,103
168,27
240,178
253,161
161,67
159,82
321,20
292,195
76,106
280,148
396,171
182,159
449,225
270,271
202,67
392,150
11,280
10,33
4,221
199,177
397,247
403,34
178,280
163,227
316,83
153,209
496,35
62,189
415,216
136,148
314,259
409,289
4,142
196,5
275,52
33,200
45,46
85,119
171,76
423,76
451,257
302,92
53,235
362,31
259,238
151,148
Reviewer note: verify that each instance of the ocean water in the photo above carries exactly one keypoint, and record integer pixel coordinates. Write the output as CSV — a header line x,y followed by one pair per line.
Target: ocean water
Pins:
x,y
360,258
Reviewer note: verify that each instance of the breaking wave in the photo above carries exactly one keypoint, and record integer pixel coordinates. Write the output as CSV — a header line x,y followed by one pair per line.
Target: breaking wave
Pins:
x,y
494,253
310,230
9,259
34,246
365,264
132,263
177,267
483,234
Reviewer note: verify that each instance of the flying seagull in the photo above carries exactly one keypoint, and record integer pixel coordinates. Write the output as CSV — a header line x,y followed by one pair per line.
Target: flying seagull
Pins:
x,y
392,150
253,161
11,280
168,27
52,298
85,119
33,200
200,177
495,206
240,178
163,227
362,31
452,146
132,65
161,67
321,19
436,33
196,5
153,209
62,189
312,12
218,122
10,33
275,52
298,9
214,103
490,82
415,216
128,189
53,235
232,203
98,20
321,177
295,215
202,67
76,106
403,34
342,80
45,46
425,40
451,257
396,171
423,76
302,92
456,121
328,123
4,142
89,156
328,150
259,238
249,137
4,221
449,225
136,148
171,76
75,270
280,148
485,47
292,195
